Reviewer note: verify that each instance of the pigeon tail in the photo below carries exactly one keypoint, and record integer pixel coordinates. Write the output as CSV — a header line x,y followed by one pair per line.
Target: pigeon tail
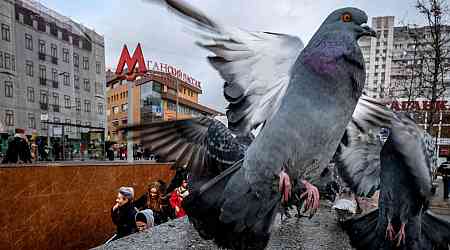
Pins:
x,y
250,226
436,231
363,232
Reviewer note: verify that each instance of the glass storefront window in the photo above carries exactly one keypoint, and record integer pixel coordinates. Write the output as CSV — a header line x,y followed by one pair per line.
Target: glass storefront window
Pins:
x,y
151,104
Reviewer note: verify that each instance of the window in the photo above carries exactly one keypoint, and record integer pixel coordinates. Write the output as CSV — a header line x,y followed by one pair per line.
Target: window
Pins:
x,y
44,97
9,118
85,63
6,33
28,41
76,82
87,85
7,60
87,106
30,94
66,79
54,75
56,99
1,60
54,50
98,88
78,122
42,72
65,55
42,46
98,66
125,107
115,109
8,89
100,108
78,104
68,128
67,103
44,125
76,60
29,68
31,121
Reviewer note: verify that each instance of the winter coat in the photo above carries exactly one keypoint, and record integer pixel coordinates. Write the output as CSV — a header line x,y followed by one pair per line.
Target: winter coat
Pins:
x,y
124,218
18,149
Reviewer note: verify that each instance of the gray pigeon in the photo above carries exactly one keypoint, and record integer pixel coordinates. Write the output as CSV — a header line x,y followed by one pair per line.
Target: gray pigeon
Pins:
x,y
304,99
402,220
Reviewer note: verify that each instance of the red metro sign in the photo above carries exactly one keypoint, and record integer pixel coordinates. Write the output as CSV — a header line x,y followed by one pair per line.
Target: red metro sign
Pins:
x,y
131,62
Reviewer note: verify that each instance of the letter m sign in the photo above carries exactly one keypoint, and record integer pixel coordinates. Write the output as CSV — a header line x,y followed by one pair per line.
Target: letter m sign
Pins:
x,y
131,62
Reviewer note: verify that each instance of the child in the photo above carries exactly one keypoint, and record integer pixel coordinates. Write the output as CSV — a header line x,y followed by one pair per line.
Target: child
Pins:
x,y
144,220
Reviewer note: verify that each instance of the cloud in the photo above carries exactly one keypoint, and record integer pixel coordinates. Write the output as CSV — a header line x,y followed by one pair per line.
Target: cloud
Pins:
x,y
164,38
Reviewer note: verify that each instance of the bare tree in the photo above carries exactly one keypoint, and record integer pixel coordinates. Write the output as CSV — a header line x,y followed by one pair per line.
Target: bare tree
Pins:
x,y
434,49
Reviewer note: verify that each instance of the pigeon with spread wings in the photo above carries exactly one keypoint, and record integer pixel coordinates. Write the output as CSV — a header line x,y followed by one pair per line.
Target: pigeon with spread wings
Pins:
x,y
303,98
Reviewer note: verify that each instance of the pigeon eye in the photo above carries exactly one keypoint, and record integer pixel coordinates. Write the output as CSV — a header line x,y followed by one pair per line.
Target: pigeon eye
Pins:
x,y
347,17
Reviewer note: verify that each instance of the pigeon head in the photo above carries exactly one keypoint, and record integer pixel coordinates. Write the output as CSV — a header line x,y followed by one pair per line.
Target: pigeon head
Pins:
x,y
352,20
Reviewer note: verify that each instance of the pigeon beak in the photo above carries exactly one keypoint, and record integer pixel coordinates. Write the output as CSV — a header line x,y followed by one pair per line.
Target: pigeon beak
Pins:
x,y
367,31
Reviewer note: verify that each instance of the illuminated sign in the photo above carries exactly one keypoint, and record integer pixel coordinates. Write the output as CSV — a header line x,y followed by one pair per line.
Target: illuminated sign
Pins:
x,y
173,71
138,60
131,62
419,105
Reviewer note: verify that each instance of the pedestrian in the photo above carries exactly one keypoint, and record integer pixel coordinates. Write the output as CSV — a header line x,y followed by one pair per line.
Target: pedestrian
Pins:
x,y
176,198
144,220
153,199
123,212
18,148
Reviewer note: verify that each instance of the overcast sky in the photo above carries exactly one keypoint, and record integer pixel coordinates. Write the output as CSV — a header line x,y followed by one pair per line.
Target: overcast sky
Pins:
x,y
164,38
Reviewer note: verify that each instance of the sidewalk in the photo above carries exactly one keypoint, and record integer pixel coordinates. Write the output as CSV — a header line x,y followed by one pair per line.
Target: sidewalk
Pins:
x,y
438,204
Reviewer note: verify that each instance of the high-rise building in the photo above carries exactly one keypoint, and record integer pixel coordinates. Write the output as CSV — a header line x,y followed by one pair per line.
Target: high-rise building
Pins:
x,y
50,67
393,64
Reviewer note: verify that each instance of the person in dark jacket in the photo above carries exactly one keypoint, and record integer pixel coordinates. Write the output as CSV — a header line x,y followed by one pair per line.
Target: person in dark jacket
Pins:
x,y
18,149
123,213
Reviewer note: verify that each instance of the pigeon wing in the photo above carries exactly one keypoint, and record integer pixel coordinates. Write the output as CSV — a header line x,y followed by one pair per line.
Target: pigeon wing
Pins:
x,y
205,145
410,141
255,66
358,155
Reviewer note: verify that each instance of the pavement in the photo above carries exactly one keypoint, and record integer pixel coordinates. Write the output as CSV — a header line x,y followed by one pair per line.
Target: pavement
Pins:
x,y
319,233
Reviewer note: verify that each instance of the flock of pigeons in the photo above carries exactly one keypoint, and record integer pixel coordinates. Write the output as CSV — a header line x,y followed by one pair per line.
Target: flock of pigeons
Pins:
x,y
306,102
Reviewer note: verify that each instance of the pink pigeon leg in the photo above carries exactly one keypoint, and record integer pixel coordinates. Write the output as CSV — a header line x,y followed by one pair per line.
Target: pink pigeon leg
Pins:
x,y
401,236
285,185
312,197
390,232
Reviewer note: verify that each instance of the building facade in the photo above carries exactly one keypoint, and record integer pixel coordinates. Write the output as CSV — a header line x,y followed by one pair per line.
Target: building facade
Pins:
x,y
154,99
52,68
392,64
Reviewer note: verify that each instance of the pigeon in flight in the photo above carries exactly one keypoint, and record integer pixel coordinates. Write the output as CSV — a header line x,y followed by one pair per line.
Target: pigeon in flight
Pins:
x,y
403,171
303,97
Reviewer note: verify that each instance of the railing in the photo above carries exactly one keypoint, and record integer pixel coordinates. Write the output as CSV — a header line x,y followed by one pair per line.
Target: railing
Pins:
x,y
42,81
54,60
55,108
41,56
44,106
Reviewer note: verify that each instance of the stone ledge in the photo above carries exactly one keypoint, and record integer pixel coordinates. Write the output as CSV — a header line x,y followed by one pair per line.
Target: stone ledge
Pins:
x,y
321,232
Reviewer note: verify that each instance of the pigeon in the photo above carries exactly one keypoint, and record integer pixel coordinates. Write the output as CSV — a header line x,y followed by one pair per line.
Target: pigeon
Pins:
x,y
302,97
404,168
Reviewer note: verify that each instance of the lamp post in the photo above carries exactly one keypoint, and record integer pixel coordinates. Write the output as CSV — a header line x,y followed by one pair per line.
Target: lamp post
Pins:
x,y
130,119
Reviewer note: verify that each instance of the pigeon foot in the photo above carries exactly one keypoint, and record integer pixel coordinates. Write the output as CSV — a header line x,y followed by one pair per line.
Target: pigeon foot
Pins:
x,y
390,232
401,236
285,186
312,196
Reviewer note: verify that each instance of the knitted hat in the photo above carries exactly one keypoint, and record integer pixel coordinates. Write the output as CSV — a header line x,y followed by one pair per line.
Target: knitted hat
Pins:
x,y
128,192
20,131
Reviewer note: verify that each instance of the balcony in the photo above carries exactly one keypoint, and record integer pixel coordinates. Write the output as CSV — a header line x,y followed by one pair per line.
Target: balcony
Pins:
x,y
44,106
55,84
41,56
55,108
42,81
54,60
